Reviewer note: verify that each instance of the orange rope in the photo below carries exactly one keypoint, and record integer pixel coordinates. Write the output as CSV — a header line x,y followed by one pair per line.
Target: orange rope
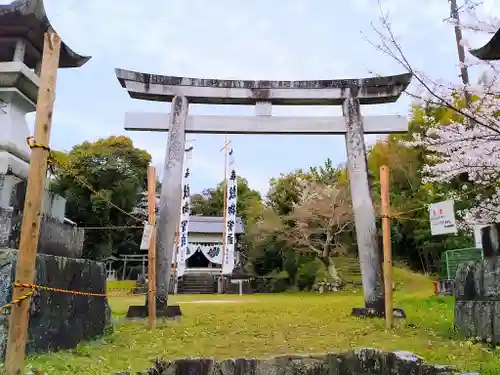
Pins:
x,y
74,292
16,301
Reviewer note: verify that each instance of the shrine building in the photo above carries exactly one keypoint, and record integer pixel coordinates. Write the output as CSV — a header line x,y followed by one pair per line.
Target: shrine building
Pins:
x,y
204,253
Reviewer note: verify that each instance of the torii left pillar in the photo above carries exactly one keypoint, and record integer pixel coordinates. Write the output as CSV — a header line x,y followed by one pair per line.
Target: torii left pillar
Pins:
x,y
170,204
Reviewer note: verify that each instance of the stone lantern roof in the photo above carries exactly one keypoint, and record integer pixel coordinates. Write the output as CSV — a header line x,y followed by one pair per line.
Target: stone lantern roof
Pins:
x,y
27,20
490,51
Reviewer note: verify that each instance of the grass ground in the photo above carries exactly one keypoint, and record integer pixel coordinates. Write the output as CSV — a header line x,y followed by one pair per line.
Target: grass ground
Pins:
x,y
267,325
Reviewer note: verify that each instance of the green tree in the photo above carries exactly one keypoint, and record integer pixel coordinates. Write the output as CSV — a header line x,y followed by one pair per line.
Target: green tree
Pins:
x,y
284,191
327,174
211,201
113,170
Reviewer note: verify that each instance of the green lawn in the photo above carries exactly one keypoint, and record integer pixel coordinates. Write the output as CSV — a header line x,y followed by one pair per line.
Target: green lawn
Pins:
x,y
267,325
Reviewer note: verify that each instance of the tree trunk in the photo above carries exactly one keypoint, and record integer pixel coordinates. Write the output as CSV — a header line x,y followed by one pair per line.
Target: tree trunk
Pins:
x,y
330,266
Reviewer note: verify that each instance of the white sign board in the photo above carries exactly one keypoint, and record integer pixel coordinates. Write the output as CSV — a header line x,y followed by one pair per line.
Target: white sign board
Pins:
x,y
146,236
442,218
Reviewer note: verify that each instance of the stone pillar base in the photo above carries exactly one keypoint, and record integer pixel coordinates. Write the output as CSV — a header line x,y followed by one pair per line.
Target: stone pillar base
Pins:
x,y
363,312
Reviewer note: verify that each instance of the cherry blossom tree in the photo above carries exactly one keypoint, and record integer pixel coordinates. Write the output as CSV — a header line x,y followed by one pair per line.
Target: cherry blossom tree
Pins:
x,y
321,216
465,150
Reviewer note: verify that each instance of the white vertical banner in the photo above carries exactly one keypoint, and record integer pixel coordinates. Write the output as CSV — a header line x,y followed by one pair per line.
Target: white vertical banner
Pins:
x,y
232,189
182,246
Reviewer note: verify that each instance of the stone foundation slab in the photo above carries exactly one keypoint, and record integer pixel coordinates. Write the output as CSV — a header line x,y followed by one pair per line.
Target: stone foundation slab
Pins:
x,y
357,362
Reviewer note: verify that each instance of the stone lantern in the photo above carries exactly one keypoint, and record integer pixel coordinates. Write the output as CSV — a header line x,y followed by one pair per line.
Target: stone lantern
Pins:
x,y
54,322
22,27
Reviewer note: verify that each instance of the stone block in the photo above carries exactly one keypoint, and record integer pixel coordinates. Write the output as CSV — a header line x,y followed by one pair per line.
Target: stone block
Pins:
x,y
465,318
477,305
496,322
484,319
478,280
357,362
58,320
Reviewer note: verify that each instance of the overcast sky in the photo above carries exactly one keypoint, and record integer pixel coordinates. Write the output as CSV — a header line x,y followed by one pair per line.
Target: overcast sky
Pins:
x,y
235,39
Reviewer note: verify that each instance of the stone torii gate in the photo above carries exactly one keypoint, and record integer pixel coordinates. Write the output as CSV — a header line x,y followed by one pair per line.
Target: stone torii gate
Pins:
x,y
350,93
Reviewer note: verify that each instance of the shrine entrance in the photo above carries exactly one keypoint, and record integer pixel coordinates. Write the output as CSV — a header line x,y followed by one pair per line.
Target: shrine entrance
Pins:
x,y
348,93
197,260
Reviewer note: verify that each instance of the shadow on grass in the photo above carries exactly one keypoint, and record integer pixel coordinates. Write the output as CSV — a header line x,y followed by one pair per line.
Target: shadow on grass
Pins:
x,y
438,317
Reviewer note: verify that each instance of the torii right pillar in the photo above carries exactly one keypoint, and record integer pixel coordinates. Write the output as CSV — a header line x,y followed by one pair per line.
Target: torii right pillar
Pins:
x,y
364,213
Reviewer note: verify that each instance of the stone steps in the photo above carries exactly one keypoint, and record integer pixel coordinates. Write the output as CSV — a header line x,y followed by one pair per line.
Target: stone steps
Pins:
x,y
197,284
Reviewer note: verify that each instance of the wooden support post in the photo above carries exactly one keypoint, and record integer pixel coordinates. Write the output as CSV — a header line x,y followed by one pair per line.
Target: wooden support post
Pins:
x,y
386,233
152,248
124,266
30,228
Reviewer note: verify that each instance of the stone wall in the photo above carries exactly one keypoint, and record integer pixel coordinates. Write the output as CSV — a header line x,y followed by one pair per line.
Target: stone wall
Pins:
x,y
477,306
5,227
58,320
357,362
56,238
60,239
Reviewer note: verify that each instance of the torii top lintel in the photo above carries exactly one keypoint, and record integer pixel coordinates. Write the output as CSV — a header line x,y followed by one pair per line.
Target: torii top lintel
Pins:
x,y
490,51
154,87
27,19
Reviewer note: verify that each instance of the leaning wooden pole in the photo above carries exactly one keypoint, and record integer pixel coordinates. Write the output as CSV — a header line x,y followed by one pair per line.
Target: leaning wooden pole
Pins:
x,y
152,248
464,74
386,233
30,228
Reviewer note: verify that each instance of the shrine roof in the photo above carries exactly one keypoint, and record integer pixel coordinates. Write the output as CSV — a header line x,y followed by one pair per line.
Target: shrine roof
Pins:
x,y
373,90
28,20
211,224
490,51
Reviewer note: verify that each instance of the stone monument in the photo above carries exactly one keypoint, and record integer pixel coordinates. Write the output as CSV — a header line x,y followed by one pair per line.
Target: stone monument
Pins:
x,y
56,320
349,93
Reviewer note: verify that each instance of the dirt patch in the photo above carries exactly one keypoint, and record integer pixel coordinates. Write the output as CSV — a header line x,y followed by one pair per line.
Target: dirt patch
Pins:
x,y
214,301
